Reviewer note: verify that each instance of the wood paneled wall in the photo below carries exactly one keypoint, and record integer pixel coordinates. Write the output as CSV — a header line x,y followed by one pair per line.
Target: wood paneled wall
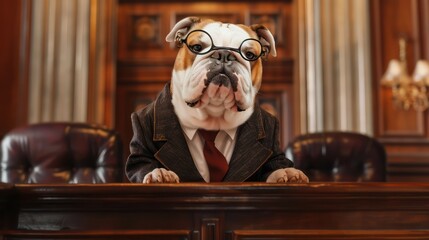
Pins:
x,y
144,63
13,41
404,132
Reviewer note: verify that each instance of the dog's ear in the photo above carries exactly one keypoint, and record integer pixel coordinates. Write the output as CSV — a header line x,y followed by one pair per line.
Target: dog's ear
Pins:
x,y
181,28
266,38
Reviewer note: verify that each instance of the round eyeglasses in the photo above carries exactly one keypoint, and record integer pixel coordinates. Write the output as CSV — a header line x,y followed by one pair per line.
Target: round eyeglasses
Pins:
x,y
200,42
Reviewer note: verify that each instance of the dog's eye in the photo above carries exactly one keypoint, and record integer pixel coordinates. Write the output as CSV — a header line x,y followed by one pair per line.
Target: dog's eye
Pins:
x,y
250,56
196,48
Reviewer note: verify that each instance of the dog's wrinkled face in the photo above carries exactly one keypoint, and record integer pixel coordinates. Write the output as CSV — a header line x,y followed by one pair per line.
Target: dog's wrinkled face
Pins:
x,y
217,72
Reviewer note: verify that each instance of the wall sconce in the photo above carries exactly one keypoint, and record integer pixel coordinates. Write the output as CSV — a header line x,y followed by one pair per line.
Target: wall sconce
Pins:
x,y
407,91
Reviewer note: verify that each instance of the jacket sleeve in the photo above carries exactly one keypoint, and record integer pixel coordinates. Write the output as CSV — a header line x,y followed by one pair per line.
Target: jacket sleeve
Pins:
x,y
142,149
277,160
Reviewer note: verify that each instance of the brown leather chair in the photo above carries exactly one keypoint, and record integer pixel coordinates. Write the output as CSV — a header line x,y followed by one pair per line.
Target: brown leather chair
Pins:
x,y
61,153
339,157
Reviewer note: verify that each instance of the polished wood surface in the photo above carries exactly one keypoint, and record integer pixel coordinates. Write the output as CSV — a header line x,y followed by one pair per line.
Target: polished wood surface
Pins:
x,y
218,211
6,213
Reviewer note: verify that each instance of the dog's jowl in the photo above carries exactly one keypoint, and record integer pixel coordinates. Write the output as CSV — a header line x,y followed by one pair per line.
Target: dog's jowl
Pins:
x,y
205,125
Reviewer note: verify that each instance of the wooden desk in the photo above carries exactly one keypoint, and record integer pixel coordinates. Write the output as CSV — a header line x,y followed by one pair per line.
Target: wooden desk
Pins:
x,y
218,211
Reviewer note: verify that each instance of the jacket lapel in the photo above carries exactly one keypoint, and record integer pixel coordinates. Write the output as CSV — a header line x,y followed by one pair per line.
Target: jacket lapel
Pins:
x,y
249,154
174,154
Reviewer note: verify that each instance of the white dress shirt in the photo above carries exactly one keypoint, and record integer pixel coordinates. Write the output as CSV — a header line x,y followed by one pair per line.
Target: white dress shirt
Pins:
x,y
224,142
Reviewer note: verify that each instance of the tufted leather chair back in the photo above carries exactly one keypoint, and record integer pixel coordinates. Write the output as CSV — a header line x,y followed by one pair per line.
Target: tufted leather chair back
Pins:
x,y
339,157
61,153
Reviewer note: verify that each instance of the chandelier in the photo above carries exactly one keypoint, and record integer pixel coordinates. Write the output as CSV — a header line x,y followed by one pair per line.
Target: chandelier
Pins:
x,y
407,91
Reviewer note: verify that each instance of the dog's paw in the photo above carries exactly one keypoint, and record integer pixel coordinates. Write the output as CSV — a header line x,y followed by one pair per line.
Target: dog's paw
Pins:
x,y
161,175
290,175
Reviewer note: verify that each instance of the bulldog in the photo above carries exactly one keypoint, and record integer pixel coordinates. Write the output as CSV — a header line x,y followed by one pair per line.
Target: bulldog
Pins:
x,y
216,77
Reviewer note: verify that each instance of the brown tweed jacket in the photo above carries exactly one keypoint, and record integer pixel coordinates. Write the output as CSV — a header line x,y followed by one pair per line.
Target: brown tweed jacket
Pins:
x,y
159,142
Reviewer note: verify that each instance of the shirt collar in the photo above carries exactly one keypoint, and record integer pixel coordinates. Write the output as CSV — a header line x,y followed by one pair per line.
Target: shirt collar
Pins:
x,y
190,132
231,133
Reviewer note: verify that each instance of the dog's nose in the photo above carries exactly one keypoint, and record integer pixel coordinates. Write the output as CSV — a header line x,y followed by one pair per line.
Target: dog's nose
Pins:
x,y
223,56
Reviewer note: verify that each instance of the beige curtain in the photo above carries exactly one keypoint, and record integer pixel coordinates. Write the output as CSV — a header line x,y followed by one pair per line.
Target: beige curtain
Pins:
x,y
67,59
334,65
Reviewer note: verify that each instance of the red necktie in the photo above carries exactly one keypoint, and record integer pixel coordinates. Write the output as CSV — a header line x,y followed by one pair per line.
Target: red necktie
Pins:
x,y
214,158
